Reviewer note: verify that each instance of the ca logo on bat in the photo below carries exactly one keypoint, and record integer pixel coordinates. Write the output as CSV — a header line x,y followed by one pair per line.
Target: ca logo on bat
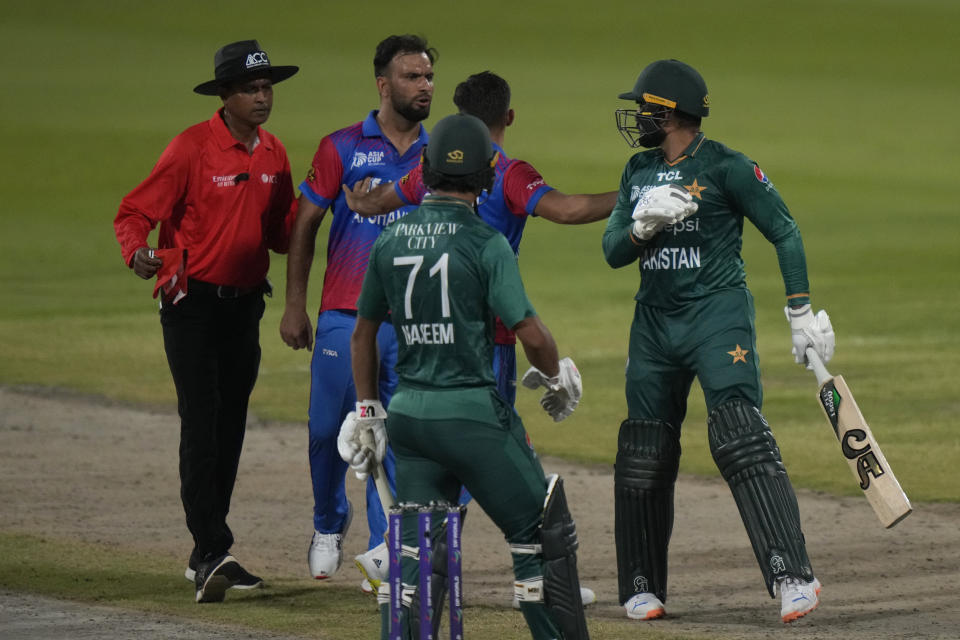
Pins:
x,y
853,442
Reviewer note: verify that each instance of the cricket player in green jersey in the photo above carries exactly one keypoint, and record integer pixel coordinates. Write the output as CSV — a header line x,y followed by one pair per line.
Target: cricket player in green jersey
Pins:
x,y
442,276
680,216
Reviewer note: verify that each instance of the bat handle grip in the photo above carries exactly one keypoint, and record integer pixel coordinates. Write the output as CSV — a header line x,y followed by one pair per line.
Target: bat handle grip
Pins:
x,y
819,369
366,439
379,474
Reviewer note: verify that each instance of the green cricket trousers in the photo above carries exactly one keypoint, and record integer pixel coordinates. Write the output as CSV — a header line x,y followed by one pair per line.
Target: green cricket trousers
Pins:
x,y
713,339
490,454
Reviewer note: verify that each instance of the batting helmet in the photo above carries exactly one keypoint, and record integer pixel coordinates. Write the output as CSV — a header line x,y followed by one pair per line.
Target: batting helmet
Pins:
x,y
663,87
672,84
459,145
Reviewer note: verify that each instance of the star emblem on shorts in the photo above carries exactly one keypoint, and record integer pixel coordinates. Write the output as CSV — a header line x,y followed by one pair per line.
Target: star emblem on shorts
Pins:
x,y
695,189
739,355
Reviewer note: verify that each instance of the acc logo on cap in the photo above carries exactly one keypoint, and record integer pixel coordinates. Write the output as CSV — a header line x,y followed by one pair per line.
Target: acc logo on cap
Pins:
x,y
257,59
455,156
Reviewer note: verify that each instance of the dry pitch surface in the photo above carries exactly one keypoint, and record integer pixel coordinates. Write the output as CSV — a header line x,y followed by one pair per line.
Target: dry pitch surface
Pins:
x,y
76,468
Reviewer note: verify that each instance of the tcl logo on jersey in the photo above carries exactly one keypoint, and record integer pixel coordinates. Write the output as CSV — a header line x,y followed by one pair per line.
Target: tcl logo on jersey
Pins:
x,y
257,59
668,176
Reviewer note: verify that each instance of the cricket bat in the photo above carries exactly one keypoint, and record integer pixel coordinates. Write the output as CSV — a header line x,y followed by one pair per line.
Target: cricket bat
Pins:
x,y
379,474
859,447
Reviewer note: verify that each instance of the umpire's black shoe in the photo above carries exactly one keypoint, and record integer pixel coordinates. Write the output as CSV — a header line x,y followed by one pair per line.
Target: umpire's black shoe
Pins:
x,y
215,576
191,572
245,580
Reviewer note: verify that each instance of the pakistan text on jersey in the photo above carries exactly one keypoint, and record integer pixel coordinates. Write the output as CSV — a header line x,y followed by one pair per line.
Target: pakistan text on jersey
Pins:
x,y
428,333
670,258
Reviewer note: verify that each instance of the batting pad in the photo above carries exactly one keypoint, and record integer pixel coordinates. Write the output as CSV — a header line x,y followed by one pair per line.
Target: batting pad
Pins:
x,y
648,457
747,455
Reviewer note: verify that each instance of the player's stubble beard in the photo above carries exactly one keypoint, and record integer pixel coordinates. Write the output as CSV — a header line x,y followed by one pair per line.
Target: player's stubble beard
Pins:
x,y
411,111
651,127
651,140
653,134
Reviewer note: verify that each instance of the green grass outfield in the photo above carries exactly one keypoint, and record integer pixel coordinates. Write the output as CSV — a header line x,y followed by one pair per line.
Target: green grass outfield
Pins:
x,y
849,107
291,605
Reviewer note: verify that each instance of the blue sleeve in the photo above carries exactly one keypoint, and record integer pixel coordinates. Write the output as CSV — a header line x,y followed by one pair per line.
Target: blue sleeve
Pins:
x,y
312,196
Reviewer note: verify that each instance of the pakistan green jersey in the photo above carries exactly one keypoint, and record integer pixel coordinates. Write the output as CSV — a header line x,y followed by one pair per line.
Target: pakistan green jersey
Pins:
x,y
443,275
701,255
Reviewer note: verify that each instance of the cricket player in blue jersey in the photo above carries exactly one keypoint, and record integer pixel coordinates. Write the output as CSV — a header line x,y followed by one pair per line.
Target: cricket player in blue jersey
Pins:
x,y
518,192
384,146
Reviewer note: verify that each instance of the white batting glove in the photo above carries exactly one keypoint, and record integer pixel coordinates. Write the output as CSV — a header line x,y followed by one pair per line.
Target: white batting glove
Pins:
x,y
809,330
563,390
661,206
348,441
365,466
372,436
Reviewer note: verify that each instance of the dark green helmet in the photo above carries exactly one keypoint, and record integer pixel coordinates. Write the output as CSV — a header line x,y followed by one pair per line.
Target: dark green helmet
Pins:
x,y
459,145
672,84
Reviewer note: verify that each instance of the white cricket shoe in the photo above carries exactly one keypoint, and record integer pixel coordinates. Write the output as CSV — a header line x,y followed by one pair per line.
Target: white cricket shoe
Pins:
x,y
587,596
326,550
374,565
644,606
798,597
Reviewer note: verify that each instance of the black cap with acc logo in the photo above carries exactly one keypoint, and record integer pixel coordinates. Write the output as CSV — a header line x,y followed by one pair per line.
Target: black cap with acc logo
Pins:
x,y
238,61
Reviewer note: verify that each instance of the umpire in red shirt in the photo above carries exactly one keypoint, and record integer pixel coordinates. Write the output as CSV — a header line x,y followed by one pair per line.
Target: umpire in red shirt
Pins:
x,y
222,194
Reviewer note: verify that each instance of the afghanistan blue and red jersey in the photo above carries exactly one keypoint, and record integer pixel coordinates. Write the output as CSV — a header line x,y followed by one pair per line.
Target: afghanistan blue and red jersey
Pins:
x,y
517,188
344,157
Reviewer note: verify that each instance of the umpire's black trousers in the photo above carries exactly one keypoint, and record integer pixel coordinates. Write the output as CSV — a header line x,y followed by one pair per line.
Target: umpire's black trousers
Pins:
x,y
212,341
